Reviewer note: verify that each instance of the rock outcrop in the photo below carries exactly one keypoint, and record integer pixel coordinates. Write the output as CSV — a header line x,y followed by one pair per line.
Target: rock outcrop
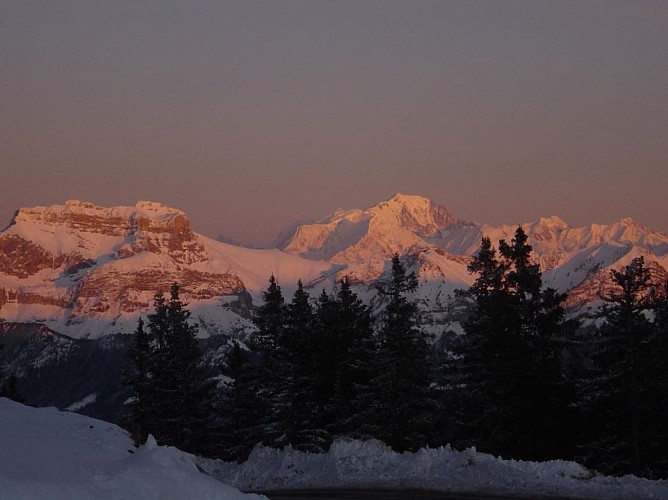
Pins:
x,y
84,268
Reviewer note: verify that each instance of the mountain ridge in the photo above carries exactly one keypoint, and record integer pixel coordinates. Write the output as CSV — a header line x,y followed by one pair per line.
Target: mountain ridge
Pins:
x,y
87,270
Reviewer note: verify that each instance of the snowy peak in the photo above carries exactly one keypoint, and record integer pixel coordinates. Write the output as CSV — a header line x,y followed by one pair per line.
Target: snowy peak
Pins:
x,y
553,222
628,221
420,215
363,239
628,231
412,225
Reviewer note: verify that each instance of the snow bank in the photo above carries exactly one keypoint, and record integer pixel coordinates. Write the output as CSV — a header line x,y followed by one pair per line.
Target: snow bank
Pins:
x,y
371,464
46,453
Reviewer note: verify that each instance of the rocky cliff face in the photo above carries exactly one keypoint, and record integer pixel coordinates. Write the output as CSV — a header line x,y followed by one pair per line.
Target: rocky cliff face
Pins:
x,y
21,258
69,264
50,237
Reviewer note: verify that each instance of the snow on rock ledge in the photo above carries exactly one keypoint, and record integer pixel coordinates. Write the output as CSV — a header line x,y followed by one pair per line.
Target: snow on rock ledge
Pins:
x,y
51,454
372,464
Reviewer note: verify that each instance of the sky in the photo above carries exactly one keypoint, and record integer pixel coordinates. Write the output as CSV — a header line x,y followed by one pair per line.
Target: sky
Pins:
x,y
252,115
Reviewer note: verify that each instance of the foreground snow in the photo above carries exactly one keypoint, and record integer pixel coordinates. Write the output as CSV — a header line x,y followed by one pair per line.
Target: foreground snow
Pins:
x,y
351,464
46,453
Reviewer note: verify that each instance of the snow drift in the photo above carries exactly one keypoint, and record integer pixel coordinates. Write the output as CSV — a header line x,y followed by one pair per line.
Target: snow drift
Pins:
x,y
372,464
51,454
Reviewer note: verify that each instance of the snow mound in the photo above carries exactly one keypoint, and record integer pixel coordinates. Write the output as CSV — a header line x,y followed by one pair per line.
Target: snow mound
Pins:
x,y
51,454
372,464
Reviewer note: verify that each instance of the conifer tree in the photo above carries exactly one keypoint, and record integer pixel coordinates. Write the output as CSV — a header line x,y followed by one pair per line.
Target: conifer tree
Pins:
x,y
483,356
304,428
354,355
661,311
325,364
245,412
617,394
341,352
141,411
541,323
327,320
398,400
658,388
270,319
271,376
272,398
512,394
173,392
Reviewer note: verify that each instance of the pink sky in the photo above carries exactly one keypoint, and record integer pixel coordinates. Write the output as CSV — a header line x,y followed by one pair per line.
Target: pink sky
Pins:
x,y
251,115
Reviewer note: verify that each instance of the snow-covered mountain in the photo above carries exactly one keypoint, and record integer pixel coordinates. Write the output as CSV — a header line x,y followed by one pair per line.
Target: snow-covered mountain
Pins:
x,y
86,271
73,276
363,240
574,260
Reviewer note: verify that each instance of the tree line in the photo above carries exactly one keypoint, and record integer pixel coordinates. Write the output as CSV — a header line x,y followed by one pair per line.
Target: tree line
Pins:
x,y
524,382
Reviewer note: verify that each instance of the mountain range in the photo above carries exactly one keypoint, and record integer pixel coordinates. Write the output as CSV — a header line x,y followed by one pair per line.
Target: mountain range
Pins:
x,y
86,271
75,276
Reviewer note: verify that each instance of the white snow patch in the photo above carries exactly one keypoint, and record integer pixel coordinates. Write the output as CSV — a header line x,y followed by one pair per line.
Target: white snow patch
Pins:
x,y
372,464
57,455
91,398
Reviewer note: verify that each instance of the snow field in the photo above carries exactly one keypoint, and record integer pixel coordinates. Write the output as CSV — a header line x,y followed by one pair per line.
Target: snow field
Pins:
x,y
49,454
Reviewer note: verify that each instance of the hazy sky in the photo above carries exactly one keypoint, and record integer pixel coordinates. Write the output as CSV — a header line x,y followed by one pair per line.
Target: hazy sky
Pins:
x,y
251,115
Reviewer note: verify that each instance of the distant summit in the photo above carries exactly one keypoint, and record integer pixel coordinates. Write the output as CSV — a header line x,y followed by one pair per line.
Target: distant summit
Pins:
x,y
364,239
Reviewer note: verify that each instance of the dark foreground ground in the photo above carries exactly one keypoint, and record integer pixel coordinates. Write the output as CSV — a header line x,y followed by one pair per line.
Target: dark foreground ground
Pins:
x,y
359,494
